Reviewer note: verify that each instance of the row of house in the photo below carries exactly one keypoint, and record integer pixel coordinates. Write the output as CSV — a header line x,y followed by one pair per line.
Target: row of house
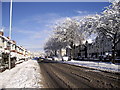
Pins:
x,y
8,46
101,46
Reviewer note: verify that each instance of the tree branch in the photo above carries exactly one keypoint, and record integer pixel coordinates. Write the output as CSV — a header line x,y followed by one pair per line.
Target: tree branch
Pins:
x,y
117,41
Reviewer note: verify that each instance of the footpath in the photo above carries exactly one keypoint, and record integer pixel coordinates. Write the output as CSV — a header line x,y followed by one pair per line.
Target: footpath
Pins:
x,y
23,75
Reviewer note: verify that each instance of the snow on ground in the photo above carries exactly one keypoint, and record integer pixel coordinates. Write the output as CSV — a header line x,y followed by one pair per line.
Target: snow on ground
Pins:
x,y
106,66
24,75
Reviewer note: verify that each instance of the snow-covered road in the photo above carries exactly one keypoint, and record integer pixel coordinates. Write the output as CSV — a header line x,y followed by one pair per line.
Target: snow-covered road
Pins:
x,y
105,66
24,75
28,73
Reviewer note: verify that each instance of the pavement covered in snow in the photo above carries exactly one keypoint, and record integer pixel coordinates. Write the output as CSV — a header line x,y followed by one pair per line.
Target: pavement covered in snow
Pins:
x,y
106,66
24,75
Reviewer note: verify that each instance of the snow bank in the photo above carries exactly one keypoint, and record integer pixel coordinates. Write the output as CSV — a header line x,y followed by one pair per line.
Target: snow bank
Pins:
x,y
24,75
97,65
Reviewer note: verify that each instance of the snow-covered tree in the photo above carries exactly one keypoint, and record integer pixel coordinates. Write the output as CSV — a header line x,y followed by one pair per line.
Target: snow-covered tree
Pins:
x,y
109,24
50,46
53,45
68,33
88,25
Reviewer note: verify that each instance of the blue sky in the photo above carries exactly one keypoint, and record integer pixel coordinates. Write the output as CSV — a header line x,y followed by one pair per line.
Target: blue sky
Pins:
x,y
32,21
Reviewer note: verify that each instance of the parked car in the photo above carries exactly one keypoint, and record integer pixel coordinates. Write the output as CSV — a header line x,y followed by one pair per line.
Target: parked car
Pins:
x,y
55,58
117,59
78,58
41,58
49,58
65,58
105,58
35,58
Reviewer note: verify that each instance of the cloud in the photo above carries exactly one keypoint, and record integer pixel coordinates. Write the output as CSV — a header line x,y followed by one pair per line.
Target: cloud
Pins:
x,y
82,12
35,30
31,39
25,31
41,34
46,18
43,19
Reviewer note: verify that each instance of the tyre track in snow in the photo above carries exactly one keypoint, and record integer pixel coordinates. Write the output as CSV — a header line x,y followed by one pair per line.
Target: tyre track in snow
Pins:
x,y
59,75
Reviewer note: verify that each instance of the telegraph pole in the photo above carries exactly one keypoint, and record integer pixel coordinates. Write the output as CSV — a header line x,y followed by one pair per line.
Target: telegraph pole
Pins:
x,y
10,32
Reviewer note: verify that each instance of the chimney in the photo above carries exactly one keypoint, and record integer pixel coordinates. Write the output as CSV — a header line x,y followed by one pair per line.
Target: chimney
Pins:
x,y
1,33
14,41
8,37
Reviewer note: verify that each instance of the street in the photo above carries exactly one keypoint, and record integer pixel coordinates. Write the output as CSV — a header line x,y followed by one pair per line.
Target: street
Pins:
x,y
60,75
64,44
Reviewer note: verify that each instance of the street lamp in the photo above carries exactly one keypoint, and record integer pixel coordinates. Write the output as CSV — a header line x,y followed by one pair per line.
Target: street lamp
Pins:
x,y
10,32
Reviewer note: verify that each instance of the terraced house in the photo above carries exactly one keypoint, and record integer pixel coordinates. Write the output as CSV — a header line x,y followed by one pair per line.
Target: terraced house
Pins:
x,y
9,47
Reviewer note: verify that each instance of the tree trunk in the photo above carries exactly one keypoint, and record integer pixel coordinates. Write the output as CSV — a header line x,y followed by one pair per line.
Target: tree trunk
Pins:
x,y
113,54
85,51
60,54
55,53
113,49
71,51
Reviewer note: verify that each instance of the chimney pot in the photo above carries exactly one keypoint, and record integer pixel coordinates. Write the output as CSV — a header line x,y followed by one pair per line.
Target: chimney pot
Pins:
x,y
1,33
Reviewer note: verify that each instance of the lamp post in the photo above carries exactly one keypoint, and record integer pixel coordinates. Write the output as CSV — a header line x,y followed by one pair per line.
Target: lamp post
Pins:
x,y
10,32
